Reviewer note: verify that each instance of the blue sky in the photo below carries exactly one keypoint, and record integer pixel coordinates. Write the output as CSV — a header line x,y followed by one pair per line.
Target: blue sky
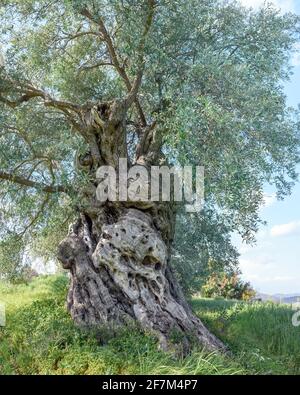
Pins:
x,y
273,264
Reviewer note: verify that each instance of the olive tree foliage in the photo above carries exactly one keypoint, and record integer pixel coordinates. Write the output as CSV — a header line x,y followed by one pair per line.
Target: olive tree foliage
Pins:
x,y
202,246
212,79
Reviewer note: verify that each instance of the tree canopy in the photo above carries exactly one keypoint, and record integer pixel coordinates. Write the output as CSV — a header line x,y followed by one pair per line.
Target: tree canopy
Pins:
x,y
210,74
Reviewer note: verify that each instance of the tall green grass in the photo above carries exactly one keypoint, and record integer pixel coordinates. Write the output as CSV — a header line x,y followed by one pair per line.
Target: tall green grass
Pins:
x,y
260,334
40,338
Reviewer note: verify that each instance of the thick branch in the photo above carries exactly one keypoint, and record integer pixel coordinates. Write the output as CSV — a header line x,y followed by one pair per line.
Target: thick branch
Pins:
x,y
148,148
105,36
33,184
141,49
27,92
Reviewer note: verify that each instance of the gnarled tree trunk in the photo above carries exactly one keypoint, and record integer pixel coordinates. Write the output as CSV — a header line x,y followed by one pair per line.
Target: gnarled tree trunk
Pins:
x,y
120,271
118,253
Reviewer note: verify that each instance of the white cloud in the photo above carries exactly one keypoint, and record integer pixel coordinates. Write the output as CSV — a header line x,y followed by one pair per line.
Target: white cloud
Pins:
x,y
253,263
269,279
286,229
283,5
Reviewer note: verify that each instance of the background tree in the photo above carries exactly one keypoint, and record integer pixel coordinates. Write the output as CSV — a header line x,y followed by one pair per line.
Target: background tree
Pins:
x,y
201,239
87,82
227,285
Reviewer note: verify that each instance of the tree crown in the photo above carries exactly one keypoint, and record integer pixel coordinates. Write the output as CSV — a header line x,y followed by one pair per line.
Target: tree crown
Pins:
x,y
204,78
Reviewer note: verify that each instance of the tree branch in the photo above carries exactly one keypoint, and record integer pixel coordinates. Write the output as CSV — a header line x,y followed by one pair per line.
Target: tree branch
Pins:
x,y
27,92
105,36
141,49
93,66
36,216
8,129
33,184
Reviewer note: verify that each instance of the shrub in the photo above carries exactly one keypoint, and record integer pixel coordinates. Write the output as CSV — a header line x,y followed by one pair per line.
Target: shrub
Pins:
x,y
227,285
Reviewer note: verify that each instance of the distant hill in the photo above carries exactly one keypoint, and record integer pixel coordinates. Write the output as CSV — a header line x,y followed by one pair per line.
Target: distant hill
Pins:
x,y
279,298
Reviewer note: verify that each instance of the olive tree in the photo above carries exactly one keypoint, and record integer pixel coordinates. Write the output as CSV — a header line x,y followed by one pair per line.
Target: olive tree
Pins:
x,y
85,83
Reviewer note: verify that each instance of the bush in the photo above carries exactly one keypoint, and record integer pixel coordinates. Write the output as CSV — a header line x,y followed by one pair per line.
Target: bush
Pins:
x,y
228,286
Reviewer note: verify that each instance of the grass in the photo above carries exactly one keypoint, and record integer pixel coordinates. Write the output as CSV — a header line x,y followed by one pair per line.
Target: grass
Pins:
x,y
40,338
260,335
